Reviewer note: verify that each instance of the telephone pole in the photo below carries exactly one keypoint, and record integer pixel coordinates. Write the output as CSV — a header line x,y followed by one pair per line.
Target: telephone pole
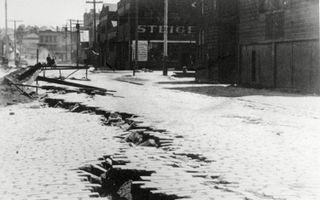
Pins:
x,y
71,49
15,38
78,40
66,40
94,2
6,29
71,40
136,37
165,39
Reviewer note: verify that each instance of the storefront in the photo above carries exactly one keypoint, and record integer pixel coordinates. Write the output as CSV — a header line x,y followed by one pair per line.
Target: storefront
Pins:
x,y
181,33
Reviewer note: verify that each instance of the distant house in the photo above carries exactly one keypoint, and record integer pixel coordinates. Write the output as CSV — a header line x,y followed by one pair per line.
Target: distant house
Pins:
x,y
279,44
55,43
29,45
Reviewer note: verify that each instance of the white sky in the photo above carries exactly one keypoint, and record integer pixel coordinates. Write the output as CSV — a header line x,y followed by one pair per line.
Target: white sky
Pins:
x,y
45,12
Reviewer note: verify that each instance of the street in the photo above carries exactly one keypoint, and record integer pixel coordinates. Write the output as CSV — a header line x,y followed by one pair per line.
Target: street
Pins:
x,y
226,142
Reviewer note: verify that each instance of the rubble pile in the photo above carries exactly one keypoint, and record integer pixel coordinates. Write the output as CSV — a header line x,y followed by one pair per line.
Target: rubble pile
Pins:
x,y
10,90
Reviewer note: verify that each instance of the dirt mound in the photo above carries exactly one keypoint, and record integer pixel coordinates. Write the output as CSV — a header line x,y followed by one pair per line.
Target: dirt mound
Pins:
x,y
10,93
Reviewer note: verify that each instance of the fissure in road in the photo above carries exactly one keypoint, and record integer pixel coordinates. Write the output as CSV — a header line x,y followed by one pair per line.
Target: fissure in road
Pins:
x,y
120,177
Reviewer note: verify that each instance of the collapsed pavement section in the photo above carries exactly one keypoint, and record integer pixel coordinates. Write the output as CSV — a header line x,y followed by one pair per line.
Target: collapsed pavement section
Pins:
x,y
146,167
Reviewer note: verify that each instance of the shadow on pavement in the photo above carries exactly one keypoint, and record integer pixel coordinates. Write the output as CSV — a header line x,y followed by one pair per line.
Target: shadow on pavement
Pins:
x,y
231,91
178,82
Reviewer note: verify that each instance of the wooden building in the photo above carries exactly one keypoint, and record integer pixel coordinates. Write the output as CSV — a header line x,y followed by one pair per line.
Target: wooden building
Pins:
x,y
279,44
182,21
217,40
107,35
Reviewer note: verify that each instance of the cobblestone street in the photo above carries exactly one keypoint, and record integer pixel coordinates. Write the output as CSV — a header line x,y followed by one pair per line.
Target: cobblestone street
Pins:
x,y
227,143
41,149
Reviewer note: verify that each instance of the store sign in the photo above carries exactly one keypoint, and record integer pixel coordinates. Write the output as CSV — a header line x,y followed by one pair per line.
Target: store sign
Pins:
x,y
160,29
142,50
84,36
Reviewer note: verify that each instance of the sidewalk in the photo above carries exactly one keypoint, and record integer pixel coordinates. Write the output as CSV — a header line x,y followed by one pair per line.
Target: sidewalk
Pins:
x,y
258,144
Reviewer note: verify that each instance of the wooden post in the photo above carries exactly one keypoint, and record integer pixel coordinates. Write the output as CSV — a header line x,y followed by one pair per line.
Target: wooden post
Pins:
x,y
165,39
129,40
37,56
71,40
78,41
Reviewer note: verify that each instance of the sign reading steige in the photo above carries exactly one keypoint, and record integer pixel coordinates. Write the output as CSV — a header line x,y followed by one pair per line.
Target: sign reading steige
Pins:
x,y
171,29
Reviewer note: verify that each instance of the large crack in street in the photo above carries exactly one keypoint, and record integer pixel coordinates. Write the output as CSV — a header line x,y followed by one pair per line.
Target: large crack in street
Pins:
x,y
118,177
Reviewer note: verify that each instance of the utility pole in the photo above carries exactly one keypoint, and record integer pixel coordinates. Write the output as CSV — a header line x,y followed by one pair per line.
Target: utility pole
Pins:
x,y
6,30
71,40
136,36
66,39
15,38
165,39
130,47
78,40
94,2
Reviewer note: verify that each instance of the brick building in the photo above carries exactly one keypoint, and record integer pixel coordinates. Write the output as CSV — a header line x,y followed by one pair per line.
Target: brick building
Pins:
x,y
279,43
182,21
